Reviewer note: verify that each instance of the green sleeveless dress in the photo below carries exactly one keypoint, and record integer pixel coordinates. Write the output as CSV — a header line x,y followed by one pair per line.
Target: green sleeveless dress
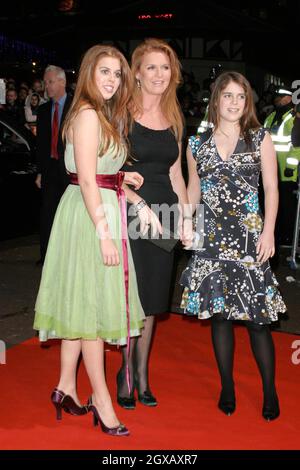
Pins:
x,y
80,297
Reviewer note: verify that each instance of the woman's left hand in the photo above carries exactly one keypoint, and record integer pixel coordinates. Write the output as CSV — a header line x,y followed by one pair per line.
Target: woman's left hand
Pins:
x,y
133,178
265,247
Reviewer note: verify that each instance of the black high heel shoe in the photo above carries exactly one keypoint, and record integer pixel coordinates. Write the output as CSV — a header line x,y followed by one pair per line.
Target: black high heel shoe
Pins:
x,y
119,430
61,401
145,397
271,410
125,402
226,405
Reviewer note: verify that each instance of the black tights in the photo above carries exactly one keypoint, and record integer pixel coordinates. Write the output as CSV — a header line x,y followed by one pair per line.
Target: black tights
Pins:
x,y
263,351
137,361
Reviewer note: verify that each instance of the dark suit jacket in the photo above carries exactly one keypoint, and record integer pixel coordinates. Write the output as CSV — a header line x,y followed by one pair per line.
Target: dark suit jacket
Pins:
x,y
44,140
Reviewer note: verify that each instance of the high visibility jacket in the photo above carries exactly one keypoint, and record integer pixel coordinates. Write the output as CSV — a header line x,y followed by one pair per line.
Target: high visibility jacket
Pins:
x,y
294,154
281,137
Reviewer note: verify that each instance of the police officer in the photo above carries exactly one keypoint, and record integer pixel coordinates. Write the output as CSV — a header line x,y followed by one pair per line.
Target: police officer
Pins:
x,y
280,124
215,71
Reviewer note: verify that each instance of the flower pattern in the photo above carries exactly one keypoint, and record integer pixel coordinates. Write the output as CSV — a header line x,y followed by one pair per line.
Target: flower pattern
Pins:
x,y
251,201
224,277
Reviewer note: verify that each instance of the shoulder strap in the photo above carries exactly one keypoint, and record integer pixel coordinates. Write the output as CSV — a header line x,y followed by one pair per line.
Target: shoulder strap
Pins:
x,y
204,136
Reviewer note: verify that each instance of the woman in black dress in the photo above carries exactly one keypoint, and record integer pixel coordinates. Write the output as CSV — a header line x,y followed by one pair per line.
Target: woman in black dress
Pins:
x,y
229,277
155,147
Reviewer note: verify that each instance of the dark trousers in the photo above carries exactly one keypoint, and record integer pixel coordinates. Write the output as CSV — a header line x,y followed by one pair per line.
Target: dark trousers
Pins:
x,y
286,213
54,183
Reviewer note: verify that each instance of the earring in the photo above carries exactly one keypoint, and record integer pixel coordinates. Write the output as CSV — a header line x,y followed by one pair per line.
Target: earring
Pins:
x,y
138,83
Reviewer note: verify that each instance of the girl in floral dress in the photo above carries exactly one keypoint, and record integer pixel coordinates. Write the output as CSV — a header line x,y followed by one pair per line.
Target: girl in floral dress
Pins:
x,y
229,276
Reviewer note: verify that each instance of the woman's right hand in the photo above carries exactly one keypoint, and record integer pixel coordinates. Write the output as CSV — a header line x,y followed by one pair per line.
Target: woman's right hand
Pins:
x,y
149,218
109,252
38,180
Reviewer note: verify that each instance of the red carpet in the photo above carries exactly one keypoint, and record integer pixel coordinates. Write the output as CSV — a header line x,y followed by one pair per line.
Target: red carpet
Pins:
x,y
185,381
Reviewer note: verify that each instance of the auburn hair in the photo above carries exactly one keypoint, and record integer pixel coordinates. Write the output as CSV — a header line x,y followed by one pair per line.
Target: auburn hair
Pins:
x,y
248,120
169,103
113,114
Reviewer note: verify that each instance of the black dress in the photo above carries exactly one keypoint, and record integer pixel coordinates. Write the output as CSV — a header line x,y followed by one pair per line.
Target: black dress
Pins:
x,y
154,152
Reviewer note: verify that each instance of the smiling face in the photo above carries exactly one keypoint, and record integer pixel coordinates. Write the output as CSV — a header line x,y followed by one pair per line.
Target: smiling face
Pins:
x,y
154,73
108,76
232,102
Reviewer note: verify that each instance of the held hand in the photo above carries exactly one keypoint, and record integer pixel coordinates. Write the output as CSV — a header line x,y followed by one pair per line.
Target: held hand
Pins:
x,y
38,180
133,178
265,247
186,232
149,219
109,252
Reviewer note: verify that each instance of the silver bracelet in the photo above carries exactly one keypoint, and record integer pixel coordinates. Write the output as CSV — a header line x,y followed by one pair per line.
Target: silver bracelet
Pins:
x,y
188,217
137,207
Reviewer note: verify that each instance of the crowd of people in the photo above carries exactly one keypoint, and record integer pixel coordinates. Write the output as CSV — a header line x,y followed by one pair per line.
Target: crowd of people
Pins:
x,y
120,137
23,100
194,98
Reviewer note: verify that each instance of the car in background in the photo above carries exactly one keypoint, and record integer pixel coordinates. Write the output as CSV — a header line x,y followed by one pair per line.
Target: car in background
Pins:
x,y
19,196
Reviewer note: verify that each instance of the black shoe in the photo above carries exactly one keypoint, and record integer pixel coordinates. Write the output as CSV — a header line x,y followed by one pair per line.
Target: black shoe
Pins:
x,y
271,410
147,398
226,404
125,402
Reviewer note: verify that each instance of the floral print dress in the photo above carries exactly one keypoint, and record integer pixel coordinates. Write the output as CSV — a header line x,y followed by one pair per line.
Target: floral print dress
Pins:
x,y
223,276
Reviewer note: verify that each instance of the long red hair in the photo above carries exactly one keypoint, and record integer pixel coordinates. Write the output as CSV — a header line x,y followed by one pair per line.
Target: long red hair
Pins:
x,y
169,103
113,114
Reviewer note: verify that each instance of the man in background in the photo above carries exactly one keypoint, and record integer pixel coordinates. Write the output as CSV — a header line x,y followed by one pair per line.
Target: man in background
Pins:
x,y
52,177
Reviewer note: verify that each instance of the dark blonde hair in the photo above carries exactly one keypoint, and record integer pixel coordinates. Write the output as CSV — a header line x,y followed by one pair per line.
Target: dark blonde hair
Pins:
x,y
169,103
112,114
248,120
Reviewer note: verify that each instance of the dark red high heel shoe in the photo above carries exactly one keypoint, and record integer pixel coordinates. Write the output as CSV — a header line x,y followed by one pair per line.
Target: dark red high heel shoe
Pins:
x,y
119,430
61,401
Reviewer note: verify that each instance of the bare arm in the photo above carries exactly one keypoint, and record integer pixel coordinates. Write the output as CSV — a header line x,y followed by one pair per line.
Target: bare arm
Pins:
x,y
131,195
86,130
179,187
146,215
266,244
193,189
185,226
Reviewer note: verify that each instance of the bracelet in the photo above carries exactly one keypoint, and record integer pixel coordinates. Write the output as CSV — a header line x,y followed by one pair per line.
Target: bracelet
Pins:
x,y
188,217
137,207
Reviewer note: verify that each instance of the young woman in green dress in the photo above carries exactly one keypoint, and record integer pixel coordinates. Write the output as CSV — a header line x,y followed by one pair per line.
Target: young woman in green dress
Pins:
x,y
88,292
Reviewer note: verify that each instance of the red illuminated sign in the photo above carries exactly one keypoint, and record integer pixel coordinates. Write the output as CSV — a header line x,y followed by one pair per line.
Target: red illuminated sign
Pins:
x,y
160,16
